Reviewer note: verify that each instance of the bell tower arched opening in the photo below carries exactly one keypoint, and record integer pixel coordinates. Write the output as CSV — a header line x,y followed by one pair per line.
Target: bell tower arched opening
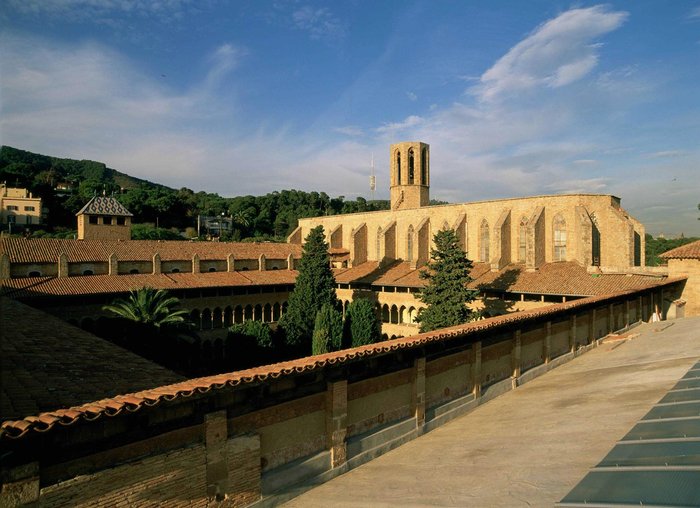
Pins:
x,y
410,175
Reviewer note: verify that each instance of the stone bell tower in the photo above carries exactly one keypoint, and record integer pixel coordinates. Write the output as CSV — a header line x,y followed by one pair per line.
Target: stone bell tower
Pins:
x,y
410,175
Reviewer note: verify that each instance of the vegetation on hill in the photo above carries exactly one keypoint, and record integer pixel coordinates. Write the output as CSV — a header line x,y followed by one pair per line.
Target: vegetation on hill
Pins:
x,y
659,245
66,185
445,293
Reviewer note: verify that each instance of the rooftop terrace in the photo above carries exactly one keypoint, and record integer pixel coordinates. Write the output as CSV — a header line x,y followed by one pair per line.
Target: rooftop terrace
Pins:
x,y
533,445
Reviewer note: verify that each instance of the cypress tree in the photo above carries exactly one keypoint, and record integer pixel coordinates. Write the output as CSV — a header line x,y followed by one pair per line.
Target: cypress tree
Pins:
x,y
445,293
328,330
362,325
315,286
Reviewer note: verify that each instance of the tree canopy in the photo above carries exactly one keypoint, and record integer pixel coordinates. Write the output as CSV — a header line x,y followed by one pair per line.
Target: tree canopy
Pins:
x,y
270,217
446,293
362,325
328,330
315,286
148,306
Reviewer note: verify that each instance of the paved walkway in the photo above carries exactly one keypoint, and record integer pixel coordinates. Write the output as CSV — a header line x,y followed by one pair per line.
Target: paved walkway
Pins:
x,y
530,446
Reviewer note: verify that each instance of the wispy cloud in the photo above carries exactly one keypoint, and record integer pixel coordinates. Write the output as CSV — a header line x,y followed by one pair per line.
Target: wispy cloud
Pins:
x,y
319,22
395,128
665,154
166,10
559,52
349,130
411,96
695,13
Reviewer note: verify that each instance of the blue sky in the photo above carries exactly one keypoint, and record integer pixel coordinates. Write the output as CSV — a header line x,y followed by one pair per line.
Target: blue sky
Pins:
x,y
246,97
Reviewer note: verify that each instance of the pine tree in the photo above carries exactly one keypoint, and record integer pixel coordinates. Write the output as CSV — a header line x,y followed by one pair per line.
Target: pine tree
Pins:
x,y
362,325
328,330
315,286
445,293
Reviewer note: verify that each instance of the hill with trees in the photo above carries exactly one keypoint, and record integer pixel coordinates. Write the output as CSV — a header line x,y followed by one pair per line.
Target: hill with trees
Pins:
x,y
66,185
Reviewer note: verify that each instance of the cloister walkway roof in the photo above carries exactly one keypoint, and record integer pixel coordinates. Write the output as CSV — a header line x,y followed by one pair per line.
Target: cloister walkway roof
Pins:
x,y
532,445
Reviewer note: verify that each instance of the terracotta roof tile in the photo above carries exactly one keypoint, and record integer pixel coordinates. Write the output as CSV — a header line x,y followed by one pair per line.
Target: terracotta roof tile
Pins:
x,y
566,278
687,251
107,284
47,250
47,364
19,428
105,205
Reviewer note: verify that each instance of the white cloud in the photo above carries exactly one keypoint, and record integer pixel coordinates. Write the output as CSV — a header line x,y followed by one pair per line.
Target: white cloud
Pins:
x,y
695,13
559,52
320,23
349,130
411,96
666,154
396,127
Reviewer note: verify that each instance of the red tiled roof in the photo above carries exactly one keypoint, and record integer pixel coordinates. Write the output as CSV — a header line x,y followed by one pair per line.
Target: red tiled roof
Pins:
x,y
47,250
48,364
687,251
107,284
135,401
566,278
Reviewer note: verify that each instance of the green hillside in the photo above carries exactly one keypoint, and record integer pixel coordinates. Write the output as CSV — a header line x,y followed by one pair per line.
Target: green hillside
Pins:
x,y
270,217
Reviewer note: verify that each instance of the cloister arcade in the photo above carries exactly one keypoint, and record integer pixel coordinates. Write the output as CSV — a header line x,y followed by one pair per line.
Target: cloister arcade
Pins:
x,y
218,317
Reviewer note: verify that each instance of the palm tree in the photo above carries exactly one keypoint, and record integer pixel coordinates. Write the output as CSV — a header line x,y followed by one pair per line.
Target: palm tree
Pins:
x,y
148,306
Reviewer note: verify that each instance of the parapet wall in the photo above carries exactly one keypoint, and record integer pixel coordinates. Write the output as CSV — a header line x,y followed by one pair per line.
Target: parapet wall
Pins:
x,y
247,437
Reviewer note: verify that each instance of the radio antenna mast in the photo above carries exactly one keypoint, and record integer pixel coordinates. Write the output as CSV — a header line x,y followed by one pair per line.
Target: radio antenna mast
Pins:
x,y
372,179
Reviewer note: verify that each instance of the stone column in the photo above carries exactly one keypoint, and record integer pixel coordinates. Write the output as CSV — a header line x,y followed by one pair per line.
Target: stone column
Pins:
x,y
113,264
640,307
336,421
418,397
515,356
572,334
476,372
156,264
215,436
195,263
63,265
262,261
547,353
20,485
230,263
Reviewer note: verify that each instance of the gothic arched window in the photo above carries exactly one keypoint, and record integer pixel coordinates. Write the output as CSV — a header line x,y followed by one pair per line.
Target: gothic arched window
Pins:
x,y
398,168
522,240
424,166
559,238
411,166
484,241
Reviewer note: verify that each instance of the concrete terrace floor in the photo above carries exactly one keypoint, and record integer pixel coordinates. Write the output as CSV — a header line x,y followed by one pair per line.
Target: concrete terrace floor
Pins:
x,y
532,445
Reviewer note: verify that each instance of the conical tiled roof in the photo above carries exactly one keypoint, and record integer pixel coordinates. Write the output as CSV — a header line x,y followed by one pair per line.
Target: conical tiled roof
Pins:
x,y
105,205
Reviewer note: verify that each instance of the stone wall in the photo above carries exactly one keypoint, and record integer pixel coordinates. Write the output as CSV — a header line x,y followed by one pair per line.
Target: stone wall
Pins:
x,y
579,211
240,442
691,290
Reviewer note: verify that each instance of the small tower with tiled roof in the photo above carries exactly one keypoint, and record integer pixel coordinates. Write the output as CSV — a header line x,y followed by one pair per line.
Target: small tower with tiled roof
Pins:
x,y
104,218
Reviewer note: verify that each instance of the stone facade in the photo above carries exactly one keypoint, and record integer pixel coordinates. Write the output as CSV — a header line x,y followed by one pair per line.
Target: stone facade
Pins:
x,y
104,218
590,229
18,208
